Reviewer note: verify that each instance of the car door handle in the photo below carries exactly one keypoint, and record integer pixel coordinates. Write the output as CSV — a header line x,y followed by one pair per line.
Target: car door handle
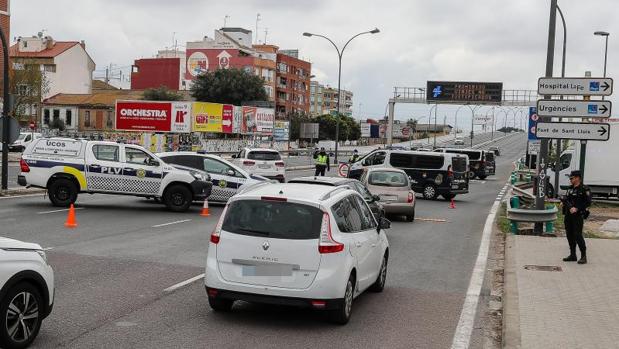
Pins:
x,y
95,166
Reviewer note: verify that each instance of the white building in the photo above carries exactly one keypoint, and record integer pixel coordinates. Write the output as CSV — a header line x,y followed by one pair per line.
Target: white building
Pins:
x,y
65,65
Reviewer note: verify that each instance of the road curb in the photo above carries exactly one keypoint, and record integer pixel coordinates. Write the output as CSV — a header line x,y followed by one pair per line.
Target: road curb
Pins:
x,y
511,312
296,168
20,191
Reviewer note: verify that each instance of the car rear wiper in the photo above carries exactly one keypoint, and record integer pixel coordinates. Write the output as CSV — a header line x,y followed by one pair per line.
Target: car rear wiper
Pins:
x,y
263,233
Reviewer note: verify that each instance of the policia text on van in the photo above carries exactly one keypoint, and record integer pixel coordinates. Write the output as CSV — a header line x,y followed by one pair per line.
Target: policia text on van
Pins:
x,y
431,174
66,167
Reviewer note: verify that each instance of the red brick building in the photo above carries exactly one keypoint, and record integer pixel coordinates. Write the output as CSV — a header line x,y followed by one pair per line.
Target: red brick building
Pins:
x,y
292,85
156,72
5,23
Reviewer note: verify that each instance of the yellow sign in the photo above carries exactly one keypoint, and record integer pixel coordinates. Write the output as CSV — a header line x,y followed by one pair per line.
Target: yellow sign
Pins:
x,y
207,117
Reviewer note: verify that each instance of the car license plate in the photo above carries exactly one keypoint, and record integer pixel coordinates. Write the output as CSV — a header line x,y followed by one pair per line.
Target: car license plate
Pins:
x,y
267,270
264,166
388,198
455,186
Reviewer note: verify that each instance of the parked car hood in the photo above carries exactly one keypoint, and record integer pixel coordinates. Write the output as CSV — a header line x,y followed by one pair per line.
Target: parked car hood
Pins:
x,y
12,243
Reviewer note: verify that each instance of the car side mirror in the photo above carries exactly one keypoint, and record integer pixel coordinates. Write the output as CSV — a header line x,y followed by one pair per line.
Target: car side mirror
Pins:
x,y
384,224
375,197
231,173
234,156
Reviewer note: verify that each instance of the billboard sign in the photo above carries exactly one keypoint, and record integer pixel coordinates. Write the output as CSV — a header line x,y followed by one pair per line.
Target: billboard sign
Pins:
x,y
365,130
264,121
464,92
207,117
482,120
281,131
248,123
227,118
237,118
143,116
309,130
181,117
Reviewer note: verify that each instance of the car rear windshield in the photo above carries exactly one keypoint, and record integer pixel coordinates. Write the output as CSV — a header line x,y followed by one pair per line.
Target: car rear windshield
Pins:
x,y
458,164
264,155
489,156
273,219
430,162
388,179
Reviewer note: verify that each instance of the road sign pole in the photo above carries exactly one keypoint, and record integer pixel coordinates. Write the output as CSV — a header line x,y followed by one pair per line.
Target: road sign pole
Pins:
x,y
583,154
5,114
543,152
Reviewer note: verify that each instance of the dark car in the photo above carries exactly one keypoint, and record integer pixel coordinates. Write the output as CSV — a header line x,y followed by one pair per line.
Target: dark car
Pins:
x,y
371,200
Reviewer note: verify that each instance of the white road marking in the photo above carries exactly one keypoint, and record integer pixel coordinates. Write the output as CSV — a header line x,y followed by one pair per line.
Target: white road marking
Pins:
x,y
183,283
170,223
20,196
60,210
462,336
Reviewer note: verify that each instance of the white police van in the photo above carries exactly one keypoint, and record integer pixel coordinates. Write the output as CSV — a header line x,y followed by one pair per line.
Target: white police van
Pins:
x,y
66,167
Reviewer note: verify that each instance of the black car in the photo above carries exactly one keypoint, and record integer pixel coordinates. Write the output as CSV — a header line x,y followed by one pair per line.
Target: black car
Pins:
x,y
371,200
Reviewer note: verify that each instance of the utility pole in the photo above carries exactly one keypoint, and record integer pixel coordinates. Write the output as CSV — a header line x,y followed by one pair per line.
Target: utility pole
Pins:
x,y
5,113
542,159
257,20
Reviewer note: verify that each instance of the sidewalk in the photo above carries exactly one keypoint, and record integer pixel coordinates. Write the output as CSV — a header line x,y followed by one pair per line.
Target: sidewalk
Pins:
x,y
577,307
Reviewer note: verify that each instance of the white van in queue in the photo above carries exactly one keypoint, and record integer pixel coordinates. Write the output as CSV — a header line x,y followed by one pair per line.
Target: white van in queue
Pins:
x,y
66,167
24,139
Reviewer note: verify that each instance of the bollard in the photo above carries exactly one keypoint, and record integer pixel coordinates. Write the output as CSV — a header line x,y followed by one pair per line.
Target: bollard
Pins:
x,y
550,226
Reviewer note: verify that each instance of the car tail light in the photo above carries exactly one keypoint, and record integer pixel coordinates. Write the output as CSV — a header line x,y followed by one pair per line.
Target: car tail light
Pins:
x,y
212,292
249,163
24,166
279,164
450,174
216,234
327,244
411,197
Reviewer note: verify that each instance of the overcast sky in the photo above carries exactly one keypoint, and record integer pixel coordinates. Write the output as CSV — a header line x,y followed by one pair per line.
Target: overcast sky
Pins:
x,y
420,40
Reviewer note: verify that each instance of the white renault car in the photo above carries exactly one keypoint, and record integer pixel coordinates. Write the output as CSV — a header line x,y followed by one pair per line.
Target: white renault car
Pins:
x,y
296,244
263,162
26,294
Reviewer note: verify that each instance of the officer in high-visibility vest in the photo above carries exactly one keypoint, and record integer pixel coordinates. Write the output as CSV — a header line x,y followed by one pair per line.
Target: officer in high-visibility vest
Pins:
x,y
354,157
321,159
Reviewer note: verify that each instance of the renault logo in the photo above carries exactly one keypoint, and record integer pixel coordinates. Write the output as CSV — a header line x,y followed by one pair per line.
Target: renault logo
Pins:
x,y
265,245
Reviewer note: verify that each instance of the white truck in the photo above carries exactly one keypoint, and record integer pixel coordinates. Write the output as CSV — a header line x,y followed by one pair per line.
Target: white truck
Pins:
x,y
601,166
66,167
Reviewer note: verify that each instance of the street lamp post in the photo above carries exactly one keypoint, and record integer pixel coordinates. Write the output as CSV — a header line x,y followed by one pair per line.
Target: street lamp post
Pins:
x,y
605,35
339,78
429,120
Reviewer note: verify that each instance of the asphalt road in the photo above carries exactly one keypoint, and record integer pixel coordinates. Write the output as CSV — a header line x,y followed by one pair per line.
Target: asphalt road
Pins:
x,y
111,273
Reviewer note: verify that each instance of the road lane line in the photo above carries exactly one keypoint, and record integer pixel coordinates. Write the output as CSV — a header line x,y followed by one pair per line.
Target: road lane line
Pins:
x,y
438,220
60,210
183,283
462,336
170,223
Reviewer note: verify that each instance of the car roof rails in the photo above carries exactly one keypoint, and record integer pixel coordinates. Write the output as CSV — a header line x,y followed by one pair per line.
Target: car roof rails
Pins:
x,y
334,191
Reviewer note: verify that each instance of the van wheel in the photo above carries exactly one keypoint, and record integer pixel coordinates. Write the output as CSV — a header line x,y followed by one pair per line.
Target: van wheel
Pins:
x,y
379,285
471,174
429,192
177,198
342,315
62,192
20,316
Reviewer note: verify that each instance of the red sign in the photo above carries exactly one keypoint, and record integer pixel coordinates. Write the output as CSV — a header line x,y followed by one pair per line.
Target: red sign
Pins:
x,y
143,116
33,125
226,118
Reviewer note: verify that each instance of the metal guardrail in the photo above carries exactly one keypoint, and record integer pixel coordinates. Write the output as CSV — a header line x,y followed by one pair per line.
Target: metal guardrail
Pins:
x,y
532,216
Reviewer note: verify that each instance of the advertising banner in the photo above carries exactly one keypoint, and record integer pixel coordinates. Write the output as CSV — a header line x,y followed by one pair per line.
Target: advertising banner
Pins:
x,y
227,118
365,130
281,131
143,116
181,117
237,119
533,118
207,117
264,121
248,123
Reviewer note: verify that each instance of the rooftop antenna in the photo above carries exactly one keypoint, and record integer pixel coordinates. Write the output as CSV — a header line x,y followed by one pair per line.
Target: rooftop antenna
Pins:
x,y
226,20
266,32
257,20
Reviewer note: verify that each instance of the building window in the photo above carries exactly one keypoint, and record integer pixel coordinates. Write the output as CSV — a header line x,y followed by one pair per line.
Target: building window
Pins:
x,y
56,114
49,68
23,90
69,117
87,118
135,69
46,116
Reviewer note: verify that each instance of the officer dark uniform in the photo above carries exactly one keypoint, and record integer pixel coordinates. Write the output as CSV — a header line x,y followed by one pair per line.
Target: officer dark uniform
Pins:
x,y
354,157
575,209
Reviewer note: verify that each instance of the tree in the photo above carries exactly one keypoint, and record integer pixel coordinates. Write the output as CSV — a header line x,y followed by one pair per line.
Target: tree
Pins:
x,y
161,93
229,86
28,85
57,124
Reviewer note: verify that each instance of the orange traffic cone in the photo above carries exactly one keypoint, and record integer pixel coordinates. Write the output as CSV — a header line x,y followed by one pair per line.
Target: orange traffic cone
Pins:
x,y
71,222
205,212
452,204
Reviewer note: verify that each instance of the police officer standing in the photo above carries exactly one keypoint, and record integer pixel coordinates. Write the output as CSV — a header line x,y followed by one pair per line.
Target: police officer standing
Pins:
x,y
575,209
354,157
321,159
